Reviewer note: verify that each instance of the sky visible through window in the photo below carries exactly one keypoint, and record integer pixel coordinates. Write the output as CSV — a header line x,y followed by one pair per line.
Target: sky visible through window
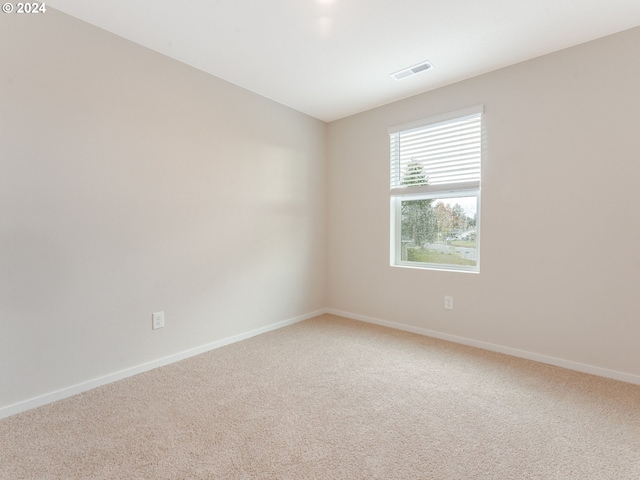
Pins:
x,y
469,204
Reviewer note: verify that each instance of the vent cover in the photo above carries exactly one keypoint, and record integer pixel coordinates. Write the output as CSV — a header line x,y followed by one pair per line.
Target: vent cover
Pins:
x,y
407,72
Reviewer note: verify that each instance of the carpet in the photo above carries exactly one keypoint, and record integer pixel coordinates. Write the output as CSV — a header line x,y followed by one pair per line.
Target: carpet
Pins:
x,y
331,398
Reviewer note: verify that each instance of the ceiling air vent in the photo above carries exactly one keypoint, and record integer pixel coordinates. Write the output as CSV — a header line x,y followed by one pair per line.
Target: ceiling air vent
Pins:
x,y
407,72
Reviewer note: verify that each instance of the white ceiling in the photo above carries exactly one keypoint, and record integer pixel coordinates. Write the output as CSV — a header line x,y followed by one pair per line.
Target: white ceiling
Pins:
x,y
332,58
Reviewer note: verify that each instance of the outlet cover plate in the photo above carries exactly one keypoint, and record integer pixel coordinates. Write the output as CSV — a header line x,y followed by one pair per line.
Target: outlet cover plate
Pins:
x,y
448,303
157,320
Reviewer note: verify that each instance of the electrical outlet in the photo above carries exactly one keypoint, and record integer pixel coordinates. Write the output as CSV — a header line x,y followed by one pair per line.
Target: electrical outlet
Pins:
x,y
157,320
448,303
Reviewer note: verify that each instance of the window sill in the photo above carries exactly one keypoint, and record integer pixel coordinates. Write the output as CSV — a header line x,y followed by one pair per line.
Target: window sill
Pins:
x,y
417,266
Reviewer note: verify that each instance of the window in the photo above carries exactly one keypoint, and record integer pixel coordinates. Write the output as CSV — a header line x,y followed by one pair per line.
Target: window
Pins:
x,y
435,191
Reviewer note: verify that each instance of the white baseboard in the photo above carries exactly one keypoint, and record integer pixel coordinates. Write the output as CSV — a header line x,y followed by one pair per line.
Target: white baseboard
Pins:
x,y
558,362
129,372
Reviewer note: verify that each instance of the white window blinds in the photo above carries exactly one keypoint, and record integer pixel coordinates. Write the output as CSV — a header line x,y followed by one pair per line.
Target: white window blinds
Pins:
x,y
437,154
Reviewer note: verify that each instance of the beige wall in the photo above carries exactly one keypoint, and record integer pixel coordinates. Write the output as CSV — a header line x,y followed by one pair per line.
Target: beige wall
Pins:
x,y
131,183
560,271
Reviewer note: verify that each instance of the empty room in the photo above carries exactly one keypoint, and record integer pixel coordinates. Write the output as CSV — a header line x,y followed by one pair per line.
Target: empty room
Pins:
x,y
320,239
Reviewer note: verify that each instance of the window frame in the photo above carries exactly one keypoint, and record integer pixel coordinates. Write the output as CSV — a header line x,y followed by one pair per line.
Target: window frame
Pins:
x,y
435,192
396,230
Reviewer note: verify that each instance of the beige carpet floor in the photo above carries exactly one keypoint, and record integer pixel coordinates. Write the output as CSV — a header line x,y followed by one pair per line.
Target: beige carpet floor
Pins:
x,y
332,398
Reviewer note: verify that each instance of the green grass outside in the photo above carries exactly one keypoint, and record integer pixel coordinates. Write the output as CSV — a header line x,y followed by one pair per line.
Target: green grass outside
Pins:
x,y
430,256
464,243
